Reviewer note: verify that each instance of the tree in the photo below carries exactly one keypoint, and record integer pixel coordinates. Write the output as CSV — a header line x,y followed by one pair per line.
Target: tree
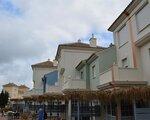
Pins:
x,y
4,96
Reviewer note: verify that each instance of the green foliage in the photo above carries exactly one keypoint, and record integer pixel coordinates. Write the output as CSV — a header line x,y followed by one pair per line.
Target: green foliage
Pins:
x,y
3,99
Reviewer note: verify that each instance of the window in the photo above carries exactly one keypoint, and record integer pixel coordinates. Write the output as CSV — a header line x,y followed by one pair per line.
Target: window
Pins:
x,y
123,35
124,63
143,17
93,71
82,76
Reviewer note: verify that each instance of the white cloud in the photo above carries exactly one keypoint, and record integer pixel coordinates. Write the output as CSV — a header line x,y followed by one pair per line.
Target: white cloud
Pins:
x,y
34,33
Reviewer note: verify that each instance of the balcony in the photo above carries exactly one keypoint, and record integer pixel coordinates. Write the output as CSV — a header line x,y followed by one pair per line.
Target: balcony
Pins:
x,y
120,77
74,84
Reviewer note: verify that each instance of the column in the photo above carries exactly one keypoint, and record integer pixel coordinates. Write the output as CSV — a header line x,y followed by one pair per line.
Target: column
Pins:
x,y
118,116
69,110
134,108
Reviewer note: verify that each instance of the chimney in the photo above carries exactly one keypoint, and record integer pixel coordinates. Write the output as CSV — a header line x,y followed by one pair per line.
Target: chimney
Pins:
x,y
55,63
79,41
93,41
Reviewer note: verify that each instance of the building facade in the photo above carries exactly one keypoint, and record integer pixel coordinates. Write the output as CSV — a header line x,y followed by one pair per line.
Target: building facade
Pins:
x,y
68,56
91,68
131,32
15,91
39,70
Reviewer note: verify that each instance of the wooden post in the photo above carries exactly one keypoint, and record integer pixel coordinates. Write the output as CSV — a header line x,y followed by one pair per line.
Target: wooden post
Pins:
x,y
69,110
118,115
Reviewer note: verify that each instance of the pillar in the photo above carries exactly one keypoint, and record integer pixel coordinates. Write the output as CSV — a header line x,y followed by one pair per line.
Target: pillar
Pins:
x,y
134,108
69,110
118,114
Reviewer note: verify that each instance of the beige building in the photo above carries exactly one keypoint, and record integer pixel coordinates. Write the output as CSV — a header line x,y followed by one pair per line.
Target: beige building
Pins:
x,y
131,32
15,91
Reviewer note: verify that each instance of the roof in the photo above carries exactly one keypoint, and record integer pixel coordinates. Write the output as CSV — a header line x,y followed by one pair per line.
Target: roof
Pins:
x,y
124,14
46,64
23,86
9,85
78,46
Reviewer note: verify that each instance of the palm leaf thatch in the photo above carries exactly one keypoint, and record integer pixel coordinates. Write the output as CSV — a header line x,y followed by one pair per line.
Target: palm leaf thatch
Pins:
x,y
128,93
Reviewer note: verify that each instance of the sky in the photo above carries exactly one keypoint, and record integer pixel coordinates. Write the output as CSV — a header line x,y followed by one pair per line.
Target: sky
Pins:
x,y
30,31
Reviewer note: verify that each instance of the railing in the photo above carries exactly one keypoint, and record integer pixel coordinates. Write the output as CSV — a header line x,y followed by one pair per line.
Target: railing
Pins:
x,y
74,84
119,74
51,108
86,110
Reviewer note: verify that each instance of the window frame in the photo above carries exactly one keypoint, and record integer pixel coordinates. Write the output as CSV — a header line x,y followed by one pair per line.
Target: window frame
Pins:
x,y
93,71
125,60
81,75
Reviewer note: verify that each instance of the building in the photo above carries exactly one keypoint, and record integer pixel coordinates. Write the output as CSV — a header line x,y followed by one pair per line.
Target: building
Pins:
x,y
131,32
91,68
50,82
39,70
15,91
88,67
68,56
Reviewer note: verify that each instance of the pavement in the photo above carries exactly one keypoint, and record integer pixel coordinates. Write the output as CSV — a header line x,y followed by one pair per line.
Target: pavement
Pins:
x,y
2,118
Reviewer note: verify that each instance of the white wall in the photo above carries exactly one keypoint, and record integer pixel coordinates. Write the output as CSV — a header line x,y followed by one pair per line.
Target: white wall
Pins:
x,y
38,73
137,25
69,60
145,61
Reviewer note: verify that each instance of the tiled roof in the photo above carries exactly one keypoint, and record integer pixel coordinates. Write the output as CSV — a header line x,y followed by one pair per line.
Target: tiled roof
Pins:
x,y
9,85
46,64
77,45
23,86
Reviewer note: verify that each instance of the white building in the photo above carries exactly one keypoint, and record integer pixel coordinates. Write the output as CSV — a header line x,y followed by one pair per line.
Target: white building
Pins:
x,y
68,57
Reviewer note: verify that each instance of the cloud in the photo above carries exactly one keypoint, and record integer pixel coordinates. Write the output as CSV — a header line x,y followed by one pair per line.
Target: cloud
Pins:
x,y
30,31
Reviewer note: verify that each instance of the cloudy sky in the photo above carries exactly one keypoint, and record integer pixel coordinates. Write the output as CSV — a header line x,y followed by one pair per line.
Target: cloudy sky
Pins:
x,y
30,30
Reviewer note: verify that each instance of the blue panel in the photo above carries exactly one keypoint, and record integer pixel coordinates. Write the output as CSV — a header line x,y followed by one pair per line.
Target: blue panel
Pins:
x,y
51,78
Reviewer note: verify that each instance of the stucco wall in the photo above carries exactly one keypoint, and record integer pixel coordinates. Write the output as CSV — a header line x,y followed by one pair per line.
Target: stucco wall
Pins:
x,y
38,73
138,26
145,61
94,81
69,60
104,61
13,91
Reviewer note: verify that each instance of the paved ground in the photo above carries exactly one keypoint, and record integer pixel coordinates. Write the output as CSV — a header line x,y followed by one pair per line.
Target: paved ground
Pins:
x,y
2,118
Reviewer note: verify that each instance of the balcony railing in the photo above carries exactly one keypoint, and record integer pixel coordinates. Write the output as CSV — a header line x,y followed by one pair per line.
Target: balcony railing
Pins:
x,y
119,74
74,84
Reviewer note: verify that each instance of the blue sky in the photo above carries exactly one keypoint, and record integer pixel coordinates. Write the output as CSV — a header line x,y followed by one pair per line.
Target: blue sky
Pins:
x,y
10,8
31,31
